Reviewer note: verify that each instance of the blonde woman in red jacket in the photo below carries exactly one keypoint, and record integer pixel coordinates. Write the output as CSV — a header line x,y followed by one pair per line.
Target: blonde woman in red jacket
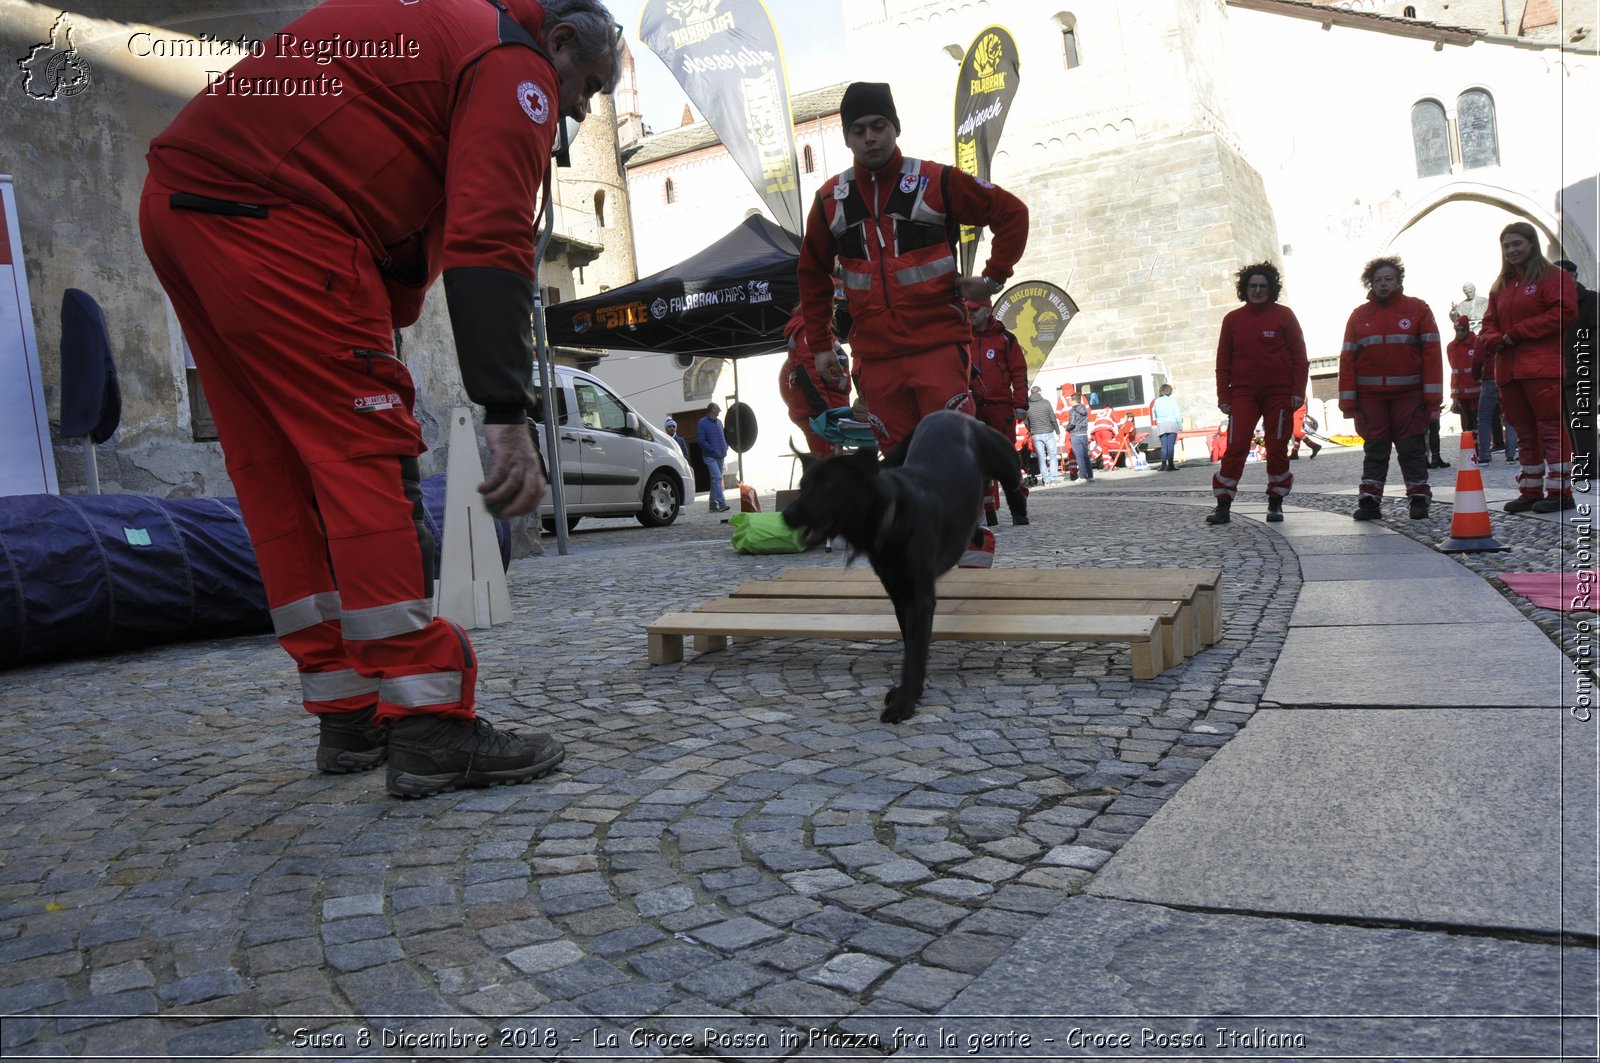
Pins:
x,y
1530,304
1391,381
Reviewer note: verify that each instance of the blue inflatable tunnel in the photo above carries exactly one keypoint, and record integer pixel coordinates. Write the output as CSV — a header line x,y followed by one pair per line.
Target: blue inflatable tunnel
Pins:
x,y
87,574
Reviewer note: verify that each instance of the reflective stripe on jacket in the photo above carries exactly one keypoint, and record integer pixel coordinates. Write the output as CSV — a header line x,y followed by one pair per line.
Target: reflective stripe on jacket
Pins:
x,y
1391,348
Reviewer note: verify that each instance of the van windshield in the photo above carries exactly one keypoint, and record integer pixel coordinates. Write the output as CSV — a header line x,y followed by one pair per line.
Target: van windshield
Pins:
x,y
1119,391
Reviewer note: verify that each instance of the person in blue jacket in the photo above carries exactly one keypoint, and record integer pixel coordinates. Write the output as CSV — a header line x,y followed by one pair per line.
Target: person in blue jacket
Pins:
x,y
672,430
713,451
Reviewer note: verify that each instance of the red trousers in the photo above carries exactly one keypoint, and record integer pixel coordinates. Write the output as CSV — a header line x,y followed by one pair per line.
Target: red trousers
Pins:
x,y
1277,426
1397,420
1544,449
902,391
1000,416
289,324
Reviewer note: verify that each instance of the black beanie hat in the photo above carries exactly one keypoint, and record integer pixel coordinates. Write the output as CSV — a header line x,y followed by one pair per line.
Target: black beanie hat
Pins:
x,y
864,98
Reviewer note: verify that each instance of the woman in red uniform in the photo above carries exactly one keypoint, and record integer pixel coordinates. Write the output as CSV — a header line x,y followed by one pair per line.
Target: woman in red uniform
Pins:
x,y
1529,304
1261,377
1391,381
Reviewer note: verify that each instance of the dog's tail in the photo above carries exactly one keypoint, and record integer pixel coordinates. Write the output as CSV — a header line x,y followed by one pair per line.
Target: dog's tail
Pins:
x,y
999,462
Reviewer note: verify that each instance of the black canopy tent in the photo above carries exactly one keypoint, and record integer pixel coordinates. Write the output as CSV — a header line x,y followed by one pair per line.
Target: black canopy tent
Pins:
x,y
730,300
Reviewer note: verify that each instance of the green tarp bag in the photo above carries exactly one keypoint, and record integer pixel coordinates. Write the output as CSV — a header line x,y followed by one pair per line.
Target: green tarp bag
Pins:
x,y
764,533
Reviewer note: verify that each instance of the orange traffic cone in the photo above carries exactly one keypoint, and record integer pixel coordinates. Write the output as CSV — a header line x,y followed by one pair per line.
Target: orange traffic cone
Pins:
x,y
1469,522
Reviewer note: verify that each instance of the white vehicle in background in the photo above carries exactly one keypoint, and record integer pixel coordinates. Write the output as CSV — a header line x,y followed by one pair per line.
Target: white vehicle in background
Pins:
x,y
614,463
1127,385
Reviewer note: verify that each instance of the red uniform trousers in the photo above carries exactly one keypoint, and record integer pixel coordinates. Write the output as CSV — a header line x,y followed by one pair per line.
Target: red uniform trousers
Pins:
x,y
1544,450
1001,416
1277,426
901,391
289,324
1401,420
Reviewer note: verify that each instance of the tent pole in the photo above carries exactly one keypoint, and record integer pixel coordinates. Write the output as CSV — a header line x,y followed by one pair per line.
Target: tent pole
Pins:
x,y
547,399
736,402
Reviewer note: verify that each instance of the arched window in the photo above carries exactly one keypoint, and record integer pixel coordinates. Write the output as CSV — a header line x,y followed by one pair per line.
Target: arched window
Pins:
x,y
670,193
1069,39
808,163
1409,12
1430,136
1475,117
600,209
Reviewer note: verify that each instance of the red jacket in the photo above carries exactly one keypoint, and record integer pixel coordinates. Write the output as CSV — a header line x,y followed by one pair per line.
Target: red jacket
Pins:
x,y
1461,354
433,155
892,232
1531,316
1103,420
802,387
1391,348
1261,352
1000,367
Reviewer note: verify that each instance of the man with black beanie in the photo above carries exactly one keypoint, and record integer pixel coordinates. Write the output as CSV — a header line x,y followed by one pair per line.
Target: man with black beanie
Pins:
x,y
891,223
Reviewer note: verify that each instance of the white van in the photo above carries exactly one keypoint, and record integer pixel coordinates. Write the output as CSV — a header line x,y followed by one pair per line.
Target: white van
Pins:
x,y
1127,385
614,463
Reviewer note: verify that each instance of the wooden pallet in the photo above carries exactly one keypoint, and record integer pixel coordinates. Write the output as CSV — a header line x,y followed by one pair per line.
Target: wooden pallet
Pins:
x,y
1179,633
711,631
1163,615
1202,587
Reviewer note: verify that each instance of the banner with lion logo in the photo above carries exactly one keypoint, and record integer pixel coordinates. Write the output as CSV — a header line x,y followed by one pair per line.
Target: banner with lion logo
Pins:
x,y
985,86
725,55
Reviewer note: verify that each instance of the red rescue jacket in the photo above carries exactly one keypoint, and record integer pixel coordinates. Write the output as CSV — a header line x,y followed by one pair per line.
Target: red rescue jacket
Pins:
x,y
802,387
893,233
1000,367
1261,352
432,151
1461,354
1532,317
1391,348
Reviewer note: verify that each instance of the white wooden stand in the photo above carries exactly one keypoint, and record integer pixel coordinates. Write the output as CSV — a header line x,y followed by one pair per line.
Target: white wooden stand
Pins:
x,y
471,589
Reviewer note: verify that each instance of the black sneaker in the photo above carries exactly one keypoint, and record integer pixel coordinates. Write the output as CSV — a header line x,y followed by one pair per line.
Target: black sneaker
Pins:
x,y
432,754
1419,507
1274,510
1367,509
1521,504
350,741
1554,504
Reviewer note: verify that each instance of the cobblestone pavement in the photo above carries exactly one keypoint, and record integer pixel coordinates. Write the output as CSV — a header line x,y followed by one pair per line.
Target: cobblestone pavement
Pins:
x,y
734,843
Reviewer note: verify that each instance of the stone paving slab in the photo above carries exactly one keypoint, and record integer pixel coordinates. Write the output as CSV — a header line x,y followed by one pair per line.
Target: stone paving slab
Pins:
x,y
1394,557
1367,546
1347,603
1382,666
1269,988
1416,816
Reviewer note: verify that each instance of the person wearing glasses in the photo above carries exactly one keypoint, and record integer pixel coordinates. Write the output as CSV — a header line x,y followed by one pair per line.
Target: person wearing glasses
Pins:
x,y
296,215
1261,377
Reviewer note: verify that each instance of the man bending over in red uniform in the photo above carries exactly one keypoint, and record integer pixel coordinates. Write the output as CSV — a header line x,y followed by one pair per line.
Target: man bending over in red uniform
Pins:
x,y
891,222
294,234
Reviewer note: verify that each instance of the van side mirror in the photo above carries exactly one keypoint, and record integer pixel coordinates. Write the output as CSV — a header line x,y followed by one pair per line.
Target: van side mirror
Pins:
x,y
630,423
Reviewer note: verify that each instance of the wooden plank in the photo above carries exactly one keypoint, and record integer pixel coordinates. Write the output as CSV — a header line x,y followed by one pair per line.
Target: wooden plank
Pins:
x,y
969,576
1202,585
1142,633
1178,629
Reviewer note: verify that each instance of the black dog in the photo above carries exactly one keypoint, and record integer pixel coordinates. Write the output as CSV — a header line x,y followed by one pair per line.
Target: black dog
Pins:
x,y
913,517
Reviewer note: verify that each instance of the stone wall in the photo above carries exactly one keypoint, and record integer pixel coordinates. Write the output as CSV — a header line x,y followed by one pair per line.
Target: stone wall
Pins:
x,y
1146,239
